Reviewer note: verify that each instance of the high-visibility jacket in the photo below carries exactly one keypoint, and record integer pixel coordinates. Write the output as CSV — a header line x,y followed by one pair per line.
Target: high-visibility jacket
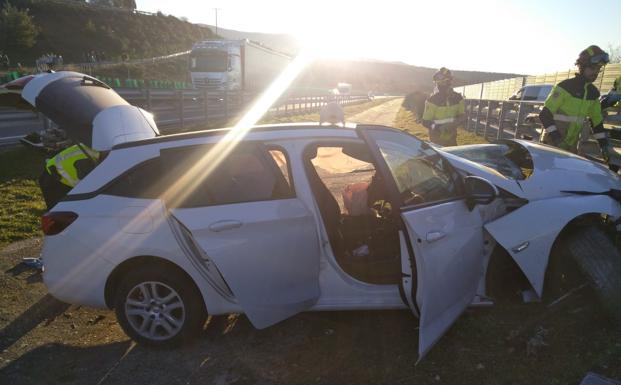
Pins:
x,y
617,89
442,108
72,164
568,106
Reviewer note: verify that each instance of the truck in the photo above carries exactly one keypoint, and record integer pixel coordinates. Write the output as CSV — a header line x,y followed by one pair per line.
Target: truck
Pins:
x,y
234,65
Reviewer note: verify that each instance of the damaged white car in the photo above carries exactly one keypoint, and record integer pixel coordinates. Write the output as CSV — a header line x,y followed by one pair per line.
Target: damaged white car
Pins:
x,y
296,217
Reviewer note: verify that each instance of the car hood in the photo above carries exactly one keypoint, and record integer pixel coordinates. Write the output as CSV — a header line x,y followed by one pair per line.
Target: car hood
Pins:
x,y
531,170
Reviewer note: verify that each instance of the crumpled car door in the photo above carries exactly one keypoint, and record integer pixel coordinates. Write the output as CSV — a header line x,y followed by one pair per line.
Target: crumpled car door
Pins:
x,y
267,251
446,236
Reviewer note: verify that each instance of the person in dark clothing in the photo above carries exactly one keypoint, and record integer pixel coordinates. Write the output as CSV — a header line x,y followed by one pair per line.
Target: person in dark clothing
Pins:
x,y
574,102
65,170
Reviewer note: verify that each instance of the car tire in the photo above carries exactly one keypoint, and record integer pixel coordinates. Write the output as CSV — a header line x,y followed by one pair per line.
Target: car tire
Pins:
x,y
160,307
587,254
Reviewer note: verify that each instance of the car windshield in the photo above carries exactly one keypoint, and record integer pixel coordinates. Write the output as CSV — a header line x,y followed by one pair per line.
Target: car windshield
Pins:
x,y
418,170
209,61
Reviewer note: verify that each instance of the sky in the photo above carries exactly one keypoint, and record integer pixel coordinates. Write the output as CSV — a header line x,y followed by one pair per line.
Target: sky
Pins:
x,y
518,36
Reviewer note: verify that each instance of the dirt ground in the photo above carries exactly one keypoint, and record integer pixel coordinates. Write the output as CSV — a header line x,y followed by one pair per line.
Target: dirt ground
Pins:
x,y
43,341
384,114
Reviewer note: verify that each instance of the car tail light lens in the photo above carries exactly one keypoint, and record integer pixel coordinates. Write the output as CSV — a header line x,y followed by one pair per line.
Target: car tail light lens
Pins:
x,y
56,221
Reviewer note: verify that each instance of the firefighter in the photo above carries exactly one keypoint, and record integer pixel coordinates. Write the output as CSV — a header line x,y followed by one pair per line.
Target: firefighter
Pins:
x,y
444,110
61,174
65,170
573,101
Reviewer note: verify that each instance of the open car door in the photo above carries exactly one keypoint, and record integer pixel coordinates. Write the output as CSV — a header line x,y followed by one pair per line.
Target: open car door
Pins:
x,y
445,235
242,211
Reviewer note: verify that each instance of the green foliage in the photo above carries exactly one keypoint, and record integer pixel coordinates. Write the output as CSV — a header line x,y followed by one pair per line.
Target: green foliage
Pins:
x,y
17,29
126,4
72,29
90,27
21,203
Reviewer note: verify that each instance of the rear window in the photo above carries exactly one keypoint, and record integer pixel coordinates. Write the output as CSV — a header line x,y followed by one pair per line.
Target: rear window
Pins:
x,y
250,173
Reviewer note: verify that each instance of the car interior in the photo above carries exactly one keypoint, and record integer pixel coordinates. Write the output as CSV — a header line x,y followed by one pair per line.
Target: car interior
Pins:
x,y
355,210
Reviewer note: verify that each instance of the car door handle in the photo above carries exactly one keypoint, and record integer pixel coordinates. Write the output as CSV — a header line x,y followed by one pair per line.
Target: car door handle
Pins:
x,y
433,236
224,225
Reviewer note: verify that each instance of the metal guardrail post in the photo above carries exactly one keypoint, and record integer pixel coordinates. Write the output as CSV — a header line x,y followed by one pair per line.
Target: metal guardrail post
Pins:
x,y
501,117
148,98
206,104
468,115
181,109
478,118
226,105
489,112
518,119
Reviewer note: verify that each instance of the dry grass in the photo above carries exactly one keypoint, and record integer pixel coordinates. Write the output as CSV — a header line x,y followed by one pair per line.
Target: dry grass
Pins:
x,y
407,121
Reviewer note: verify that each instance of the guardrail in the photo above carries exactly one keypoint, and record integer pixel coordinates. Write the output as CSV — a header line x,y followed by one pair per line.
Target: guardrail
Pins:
x,y
502,119
177,108
174,110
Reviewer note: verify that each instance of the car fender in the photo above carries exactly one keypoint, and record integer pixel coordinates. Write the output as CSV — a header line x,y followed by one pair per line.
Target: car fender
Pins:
x,y
529,232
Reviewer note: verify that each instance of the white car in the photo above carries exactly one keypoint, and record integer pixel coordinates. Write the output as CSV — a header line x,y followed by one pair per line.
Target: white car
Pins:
x,y
296,217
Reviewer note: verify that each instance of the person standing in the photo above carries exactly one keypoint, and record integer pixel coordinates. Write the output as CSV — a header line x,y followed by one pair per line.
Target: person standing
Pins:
x,y
444,110
65,170
573,103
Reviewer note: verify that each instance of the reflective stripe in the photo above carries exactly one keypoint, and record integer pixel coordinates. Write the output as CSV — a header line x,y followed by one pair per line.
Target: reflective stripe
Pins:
x,y
567,118
600,135
69,180
550,129
444,121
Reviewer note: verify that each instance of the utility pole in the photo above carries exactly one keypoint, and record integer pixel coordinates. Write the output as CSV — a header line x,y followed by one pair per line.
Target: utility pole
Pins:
x,y
216,10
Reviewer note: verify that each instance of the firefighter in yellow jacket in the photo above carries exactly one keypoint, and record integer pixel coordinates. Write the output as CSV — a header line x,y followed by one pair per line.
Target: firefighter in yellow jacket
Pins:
x,y
65,170
444,110
575,102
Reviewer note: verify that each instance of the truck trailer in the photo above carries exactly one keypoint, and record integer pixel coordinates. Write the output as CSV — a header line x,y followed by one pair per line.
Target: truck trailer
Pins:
x,y
235,65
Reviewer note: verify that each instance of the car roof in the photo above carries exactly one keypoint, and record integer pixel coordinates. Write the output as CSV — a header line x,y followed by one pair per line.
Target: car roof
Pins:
x,y
285,128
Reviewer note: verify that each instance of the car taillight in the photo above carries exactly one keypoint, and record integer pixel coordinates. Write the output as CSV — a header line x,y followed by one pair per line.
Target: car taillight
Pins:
x,y
56,221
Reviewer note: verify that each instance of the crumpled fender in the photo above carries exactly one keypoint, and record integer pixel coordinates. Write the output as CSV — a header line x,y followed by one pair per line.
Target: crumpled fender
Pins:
x,y
529,232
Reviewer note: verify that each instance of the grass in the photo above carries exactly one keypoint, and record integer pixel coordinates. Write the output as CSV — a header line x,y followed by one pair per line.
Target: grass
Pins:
x,y
407,121
21,202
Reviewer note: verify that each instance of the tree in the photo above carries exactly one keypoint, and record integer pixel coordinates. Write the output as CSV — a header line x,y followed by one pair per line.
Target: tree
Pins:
x,y
17,29
125,4
615,53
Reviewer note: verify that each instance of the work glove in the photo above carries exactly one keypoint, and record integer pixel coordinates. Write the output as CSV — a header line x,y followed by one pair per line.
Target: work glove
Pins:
x,y
603,145
553,138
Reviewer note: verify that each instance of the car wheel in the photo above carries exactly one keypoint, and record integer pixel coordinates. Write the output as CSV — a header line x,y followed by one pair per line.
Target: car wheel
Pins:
x,y
588,255
159,307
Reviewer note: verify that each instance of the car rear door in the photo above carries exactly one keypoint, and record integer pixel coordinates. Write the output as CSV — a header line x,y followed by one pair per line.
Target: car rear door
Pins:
x,y
243,212
445,235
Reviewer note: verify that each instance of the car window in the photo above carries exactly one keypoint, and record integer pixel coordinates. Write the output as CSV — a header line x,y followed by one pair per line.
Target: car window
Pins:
x,y
280,159
420,173
544,91
247,174
343,175
531,93
517,95
142,181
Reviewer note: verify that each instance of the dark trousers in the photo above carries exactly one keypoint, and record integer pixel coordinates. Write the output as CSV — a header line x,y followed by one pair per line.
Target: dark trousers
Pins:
x,y
51,188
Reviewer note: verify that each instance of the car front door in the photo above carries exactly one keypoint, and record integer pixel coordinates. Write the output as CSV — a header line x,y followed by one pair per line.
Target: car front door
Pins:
x,y
446,236
241,209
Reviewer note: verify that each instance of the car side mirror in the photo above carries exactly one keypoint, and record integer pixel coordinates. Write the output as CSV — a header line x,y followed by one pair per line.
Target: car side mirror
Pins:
x,y
479,191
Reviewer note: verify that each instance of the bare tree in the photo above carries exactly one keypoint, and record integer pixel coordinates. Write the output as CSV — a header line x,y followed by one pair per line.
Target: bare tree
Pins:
x,y
615,53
